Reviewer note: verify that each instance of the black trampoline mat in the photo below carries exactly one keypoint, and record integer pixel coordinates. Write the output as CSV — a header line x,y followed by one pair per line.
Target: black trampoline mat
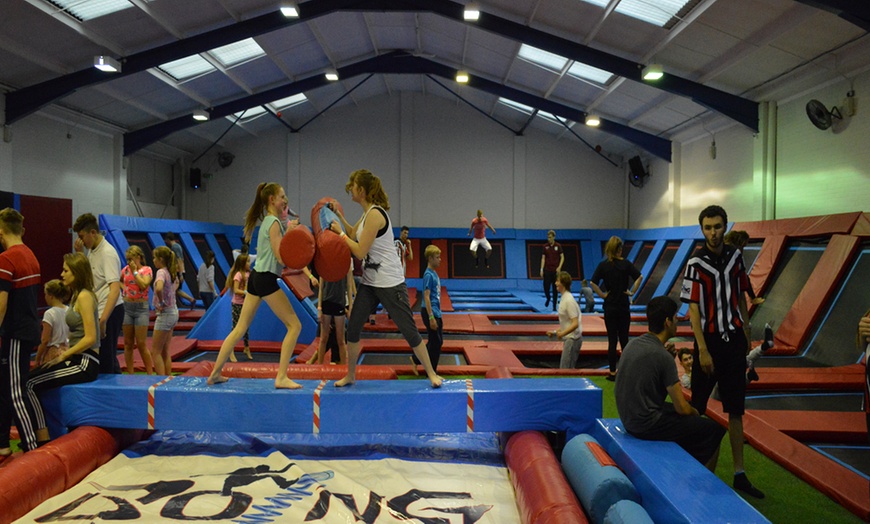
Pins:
x,y
373,358
854,457
211,356
803,401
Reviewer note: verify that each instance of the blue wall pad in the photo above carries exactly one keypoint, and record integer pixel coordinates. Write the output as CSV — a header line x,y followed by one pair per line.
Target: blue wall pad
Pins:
x,y
217,322
598,486
369,406
669,480
627,512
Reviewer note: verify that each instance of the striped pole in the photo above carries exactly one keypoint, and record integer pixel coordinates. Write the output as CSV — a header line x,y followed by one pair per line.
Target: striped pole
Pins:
x,y
469,410
151,400
317,391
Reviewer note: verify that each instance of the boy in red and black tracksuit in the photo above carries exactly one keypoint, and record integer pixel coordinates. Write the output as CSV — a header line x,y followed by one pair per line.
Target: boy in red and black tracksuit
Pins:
x,y
20,329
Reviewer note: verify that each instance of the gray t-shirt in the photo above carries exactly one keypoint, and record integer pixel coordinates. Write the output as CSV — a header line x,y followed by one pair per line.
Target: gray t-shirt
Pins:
x,y
646,370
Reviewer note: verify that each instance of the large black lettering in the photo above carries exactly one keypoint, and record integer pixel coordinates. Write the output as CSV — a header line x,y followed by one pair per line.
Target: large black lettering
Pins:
x,y
238,504
321,508
123,511
470,514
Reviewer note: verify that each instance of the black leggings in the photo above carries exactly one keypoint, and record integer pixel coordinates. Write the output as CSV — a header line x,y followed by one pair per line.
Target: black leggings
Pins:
x,y
434,341
550,286
617,319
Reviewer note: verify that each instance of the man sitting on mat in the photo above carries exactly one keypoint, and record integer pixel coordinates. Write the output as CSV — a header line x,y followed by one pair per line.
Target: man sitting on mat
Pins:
x,y
647,375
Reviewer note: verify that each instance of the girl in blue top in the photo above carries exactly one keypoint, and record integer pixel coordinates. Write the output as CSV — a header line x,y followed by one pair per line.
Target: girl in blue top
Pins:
x,y
263,282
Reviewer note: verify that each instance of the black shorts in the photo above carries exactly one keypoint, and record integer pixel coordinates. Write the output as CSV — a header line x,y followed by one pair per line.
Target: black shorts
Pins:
x,y
699,436
262,284
333,309
728,351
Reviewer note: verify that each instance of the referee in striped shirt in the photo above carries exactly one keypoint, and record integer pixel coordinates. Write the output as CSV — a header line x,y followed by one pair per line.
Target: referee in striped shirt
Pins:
x,y
713,286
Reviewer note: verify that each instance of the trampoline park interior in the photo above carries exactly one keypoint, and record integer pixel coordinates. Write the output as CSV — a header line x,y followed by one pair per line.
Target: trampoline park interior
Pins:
x,y
509,437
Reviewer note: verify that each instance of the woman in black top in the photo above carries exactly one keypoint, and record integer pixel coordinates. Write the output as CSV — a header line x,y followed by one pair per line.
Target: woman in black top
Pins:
x,y
616,272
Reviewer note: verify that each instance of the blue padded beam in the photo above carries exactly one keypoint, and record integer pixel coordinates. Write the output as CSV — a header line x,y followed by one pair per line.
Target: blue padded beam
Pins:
x,y
662,473
369,406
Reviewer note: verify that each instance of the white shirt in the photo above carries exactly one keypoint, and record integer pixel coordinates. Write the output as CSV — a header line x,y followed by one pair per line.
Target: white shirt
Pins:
x,y
568,311
381,267
106,266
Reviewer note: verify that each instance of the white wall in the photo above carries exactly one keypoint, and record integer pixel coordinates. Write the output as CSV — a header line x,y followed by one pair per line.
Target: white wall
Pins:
x,y
824,172
438,161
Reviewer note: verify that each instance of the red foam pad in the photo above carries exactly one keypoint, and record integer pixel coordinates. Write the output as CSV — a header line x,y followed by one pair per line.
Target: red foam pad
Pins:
x,y
82,451
315,214
29,480
297,247
332,259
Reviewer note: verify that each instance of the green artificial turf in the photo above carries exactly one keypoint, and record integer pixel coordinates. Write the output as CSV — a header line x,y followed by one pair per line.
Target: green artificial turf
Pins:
x,y
787,498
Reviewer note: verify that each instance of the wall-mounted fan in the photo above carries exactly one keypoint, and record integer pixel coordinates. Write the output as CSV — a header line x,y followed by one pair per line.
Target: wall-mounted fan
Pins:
x,y
225,158
820,116
637,175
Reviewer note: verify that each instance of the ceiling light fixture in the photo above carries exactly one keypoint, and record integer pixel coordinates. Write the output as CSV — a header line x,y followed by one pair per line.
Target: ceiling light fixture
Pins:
x,y
201,115
290,9
593,120
462,77
653,72
331,75
471,12
107,64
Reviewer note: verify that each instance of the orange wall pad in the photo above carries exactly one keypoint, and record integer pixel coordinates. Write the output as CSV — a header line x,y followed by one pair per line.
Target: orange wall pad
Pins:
x,y
801,227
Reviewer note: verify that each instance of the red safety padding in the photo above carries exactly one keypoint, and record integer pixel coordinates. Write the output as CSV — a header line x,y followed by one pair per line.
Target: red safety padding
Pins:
x,y
499,372
295,371
297,247
766,262
816,226
541,488
316,226
796,325
82,451
29,480
332,259
862,226
298,282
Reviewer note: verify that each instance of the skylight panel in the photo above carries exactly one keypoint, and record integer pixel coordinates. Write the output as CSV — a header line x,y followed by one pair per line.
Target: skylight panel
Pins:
x,y
550,117
587,72
250,113
290,101
522,108
90,9
657,12
542,58
187,67
238,52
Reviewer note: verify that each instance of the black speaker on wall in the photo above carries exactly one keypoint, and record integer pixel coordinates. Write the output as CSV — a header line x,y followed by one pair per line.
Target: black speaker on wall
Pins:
x,y
195,177
637,174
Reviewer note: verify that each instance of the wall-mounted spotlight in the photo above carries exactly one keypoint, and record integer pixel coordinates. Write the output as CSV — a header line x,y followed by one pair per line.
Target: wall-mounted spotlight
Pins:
x,y
653,72
331,75
593,120
471,12
462,77
201,115
107,64
290,9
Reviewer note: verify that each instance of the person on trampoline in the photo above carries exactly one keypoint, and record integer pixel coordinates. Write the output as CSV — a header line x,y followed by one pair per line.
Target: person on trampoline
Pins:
x,y
864,345
166,284
552,258
371,240
431,310
269,202
478,227
616,272
570,330
136,278
646,375
715,277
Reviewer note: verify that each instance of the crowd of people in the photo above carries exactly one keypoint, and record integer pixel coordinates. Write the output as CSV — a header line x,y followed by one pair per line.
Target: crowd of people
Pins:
x,y
95,300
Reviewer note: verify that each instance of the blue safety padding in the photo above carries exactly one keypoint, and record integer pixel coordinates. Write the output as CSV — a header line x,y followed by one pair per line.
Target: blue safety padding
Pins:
x,y
219,259
650,263
627,512
657,233
675,270
631,256
591,251
369,406
598,486
216,324
490,306
469,448
669,480
160,225
516,262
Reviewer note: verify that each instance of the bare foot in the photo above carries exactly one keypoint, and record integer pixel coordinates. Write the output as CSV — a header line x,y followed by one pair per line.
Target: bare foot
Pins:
x,y
212,380
248,354
346,381
414,367
435,380
233,357
286,383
